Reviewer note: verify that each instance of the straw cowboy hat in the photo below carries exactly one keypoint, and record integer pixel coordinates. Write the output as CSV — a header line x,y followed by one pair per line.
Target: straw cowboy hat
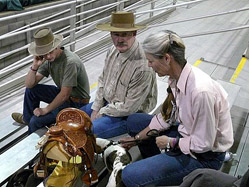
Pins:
x,y
45,42
120,22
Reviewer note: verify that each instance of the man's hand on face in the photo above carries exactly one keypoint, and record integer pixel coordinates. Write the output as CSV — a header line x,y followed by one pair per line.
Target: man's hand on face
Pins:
x,y
38,60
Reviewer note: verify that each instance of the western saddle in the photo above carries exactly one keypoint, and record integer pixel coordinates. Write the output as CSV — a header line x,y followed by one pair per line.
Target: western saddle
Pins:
x,y
69,138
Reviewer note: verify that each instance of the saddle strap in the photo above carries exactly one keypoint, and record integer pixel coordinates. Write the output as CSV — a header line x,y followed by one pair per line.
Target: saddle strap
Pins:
x,y
40,168
90,177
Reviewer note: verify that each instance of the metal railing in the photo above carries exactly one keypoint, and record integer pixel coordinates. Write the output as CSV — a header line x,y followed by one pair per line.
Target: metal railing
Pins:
x,y
75,31
81,26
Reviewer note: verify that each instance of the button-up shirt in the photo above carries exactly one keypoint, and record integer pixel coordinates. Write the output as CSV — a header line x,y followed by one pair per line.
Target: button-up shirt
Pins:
x,y
203,113
127,84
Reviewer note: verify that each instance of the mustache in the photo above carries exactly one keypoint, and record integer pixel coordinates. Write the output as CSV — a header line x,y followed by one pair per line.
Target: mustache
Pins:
x,y
121,44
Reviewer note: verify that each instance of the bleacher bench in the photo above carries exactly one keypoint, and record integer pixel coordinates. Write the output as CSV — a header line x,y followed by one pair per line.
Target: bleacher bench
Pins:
x,y
23,153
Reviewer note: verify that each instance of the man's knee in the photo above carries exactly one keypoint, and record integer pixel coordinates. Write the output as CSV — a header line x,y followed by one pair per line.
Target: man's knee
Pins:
x,y
36,123
131,118
32,91
87,109
33,124
28,91
98,126
32,128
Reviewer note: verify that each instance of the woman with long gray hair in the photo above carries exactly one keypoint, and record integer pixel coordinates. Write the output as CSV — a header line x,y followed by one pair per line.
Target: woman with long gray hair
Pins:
x,y
193,129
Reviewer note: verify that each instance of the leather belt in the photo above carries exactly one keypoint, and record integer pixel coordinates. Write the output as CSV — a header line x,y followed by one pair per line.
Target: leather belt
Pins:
x,y
77,100
208,155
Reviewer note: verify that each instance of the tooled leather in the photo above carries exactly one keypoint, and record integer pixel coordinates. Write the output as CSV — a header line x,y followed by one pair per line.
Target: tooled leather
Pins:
x,y
73,131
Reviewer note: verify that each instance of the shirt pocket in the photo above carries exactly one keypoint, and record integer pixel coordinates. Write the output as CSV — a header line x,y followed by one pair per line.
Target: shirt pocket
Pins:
x,y
121,90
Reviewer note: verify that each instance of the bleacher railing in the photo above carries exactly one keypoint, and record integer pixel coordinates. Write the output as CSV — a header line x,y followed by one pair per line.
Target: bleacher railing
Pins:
x,y
73,33
81,26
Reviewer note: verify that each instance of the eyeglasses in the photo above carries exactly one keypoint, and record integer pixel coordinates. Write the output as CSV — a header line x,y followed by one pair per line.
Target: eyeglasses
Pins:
x,y
122,34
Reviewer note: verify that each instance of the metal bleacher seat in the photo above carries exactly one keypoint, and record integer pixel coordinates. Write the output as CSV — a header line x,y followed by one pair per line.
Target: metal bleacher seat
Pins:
x,y
23,153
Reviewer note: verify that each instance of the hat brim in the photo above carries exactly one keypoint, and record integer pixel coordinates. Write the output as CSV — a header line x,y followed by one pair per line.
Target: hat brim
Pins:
x,y
33,49
108,27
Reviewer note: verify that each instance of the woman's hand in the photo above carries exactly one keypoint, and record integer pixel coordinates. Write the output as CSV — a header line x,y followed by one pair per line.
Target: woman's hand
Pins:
x,y
127,145
162,141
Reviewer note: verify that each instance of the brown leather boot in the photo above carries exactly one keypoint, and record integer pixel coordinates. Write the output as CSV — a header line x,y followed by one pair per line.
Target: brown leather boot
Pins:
x,y
18,117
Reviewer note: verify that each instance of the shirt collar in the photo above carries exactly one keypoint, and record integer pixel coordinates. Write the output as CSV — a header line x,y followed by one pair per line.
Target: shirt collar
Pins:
x,y
182,82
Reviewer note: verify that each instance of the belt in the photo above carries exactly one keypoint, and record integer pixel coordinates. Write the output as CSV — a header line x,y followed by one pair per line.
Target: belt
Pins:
x,y
208,155
77,100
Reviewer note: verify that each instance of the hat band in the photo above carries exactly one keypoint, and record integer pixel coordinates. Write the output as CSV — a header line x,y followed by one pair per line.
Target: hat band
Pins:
x,y
44,49
120,25
48,44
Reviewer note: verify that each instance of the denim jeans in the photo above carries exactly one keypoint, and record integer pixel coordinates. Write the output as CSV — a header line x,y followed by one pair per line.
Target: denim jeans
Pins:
x,y
33,97
106,126
160,168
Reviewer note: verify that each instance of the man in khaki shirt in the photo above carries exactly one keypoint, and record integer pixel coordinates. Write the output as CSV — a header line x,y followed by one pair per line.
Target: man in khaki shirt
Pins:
x,y
127,85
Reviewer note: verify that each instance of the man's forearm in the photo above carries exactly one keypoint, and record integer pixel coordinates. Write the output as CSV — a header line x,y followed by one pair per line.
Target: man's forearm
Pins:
x,y
58,100
61,98
33,77
30,80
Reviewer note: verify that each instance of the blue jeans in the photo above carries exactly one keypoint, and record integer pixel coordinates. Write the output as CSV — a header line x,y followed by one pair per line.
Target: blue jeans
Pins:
x,y
33,97
106,126
160,168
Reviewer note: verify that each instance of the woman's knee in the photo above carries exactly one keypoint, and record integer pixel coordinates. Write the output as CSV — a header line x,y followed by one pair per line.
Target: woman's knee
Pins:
x,y
138,117
137,122
127,175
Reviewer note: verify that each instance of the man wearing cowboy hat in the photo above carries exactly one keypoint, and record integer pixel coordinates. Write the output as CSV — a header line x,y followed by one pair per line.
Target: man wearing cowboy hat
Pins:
x,y
127,85
68,74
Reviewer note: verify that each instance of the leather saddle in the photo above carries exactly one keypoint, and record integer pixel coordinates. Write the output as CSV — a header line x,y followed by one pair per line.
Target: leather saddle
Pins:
x,y
71,137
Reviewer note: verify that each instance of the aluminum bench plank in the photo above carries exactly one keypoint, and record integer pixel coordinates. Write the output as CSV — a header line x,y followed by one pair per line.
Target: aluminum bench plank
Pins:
x,y
19,155
243,164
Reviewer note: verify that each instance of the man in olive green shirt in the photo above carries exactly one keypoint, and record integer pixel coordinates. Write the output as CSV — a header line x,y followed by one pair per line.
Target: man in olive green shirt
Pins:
x,y
71,87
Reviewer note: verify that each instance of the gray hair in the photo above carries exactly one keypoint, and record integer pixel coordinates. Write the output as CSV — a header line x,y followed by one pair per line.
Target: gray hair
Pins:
x,y
158,44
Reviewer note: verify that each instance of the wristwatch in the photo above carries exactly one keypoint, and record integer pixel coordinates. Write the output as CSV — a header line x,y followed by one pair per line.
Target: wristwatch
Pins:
x,y
168,145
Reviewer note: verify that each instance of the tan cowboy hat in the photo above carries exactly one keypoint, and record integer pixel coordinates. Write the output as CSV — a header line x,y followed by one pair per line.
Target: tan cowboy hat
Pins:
x,y
120,22
45,42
